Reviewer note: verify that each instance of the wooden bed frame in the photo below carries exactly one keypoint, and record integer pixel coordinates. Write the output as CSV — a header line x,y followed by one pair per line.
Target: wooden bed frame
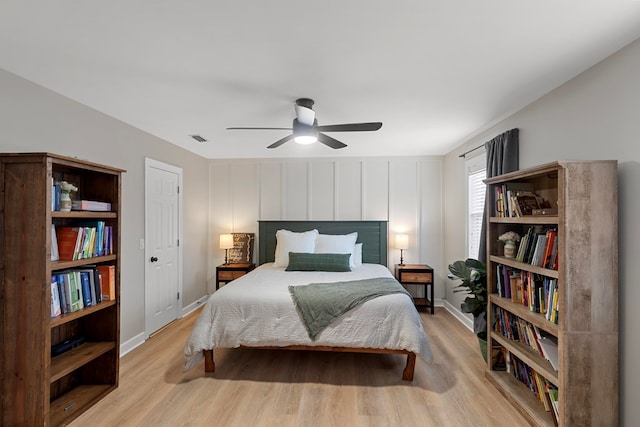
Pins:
x,y
373,235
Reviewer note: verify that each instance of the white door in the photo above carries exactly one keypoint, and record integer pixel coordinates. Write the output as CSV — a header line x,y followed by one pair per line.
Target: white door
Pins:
x,y
163,273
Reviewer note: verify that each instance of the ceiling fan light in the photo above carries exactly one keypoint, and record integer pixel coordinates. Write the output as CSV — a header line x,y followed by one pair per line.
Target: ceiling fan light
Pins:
x,y
306,139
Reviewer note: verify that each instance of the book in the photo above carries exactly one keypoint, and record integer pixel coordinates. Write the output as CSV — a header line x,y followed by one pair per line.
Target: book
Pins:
x,y
94,283
75,291
56,309
550,349
55,197
96,246
87,300
68,239
516,288
90,205
64,306
510,192
55,255
108,281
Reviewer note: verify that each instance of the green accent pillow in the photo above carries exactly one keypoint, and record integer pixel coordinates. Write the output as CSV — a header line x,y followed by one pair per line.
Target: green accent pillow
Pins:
x,y
302,261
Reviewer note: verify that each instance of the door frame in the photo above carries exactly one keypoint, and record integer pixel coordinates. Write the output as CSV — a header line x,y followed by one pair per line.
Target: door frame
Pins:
x,y
149,163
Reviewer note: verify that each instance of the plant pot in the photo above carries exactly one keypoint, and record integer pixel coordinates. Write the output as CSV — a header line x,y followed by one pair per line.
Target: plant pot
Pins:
x,y
65,202
510,249
483,348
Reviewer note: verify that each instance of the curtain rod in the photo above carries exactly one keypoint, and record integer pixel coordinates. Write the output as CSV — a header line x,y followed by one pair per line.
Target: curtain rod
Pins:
x,y
469,151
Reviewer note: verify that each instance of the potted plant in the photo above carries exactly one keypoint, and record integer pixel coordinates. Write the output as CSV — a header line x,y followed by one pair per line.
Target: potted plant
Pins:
x,y
473,274
65,195
510,238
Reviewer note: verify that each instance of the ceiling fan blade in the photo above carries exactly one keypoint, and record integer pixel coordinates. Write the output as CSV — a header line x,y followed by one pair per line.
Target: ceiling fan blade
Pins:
x,y
250,128
279,142
351,127
330,142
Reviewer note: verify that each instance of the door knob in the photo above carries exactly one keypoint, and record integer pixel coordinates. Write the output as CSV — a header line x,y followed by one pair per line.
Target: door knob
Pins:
x,y
154,259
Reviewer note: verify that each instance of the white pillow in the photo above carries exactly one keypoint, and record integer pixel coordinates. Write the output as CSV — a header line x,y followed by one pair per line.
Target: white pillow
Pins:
x,y
337,244
289,241
357,255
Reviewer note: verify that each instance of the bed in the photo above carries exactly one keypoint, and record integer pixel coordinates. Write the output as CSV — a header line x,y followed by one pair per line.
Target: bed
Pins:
x,y
261,309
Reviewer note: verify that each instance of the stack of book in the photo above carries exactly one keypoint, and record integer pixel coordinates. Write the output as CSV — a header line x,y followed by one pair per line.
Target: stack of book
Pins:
x,y
539,247
75,289
86,240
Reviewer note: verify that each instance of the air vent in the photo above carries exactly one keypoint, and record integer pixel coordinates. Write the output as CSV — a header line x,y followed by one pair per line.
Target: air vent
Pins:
x,y
198,138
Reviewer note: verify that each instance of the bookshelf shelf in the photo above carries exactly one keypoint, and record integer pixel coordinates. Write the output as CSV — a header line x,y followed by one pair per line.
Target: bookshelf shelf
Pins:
x,y
584,193
41,389
520,397
73,359
70,317
530,219
532,359
524,313
84,214
73,403
524,266
62,265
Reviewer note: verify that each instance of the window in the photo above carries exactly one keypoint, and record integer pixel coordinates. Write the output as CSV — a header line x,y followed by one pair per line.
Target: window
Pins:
x,y
476,173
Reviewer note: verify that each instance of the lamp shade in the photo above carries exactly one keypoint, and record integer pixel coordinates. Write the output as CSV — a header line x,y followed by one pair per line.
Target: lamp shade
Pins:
x,y
402,241
226,241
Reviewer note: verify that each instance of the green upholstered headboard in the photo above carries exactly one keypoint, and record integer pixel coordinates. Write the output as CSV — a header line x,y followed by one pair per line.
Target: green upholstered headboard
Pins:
x,y
372,235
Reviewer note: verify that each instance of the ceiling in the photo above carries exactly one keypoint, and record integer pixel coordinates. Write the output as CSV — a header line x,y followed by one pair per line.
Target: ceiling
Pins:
x,y
434,72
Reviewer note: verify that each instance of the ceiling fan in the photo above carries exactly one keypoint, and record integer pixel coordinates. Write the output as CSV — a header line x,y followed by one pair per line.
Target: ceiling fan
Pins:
x,y
306,130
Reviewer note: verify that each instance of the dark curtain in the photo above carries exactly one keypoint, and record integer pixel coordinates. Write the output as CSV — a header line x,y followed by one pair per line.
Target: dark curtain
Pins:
x,y
502,157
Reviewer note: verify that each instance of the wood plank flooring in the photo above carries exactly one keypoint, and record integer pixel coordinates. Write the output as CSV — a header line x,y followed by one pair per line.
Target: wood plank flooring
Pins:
x,y
267,388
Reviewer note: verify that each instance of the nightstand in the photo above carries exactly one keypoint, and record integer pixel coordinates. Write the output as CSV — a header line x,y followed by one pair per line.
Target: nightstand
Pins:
x,y
417,274
228,272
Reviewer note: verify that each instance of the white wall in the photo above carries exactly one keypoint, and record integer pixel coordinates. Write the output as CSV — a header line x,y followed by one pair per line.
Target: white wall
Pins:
x,y
406,191
35,119
594,116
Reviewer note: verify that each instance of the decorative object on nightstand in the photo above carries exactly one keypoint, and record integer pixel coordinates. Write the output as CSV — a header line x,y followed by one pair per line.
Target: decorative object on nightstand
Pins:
x,y
228,272
402,243
417,274
226,243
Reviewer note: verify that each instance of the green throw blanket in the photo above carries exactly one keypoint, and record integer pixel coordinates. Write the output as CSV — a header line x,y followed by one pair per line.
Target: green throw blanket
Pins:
x,y
319,304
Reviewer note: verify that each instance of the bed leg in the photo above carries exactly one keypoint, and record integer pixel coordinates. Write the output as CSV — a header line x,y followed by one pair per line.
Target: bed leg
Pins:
x,y
407,374
209,364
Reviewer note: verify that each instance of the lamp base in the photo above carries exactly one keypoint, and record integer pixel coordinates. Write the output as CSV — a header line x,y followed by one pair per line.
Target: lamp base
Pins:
x,y
226,256
401,259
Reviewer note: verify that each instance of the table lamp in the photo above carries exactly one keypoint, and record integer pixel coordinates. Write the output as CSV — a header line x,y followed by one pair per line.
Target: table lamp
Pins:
x,y
402,243
226,243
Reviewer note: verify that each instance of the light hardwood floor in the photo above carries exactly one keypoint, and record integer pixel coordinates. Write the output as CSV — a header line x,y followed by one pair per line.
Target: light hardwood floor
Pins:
x,y
297,388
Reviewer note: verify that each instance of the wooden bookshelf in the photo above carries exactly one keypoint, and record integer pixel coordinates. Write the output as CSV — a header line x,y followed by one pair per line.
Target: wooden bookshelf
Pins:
x,y
38,389
585,196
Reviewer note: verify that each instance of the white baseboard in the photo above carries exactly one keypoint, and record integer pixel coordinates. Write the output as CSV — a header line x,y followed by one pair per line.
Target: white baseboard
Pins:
x,y
139,339
464,318
132,343
194,306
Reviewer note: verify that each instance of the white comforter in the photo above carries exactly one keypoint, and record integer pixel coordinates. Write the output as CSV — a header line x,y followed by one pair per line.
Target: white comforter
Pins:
x,y
257,310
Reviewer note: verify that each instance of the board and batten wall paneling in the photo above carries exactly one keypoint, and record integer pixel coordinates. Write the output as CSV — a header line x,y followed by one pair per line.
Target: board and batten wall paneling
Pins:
x,y
270,191
244,197
430,221
322,190
375,188
349,190
406,191
404,213
296,190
